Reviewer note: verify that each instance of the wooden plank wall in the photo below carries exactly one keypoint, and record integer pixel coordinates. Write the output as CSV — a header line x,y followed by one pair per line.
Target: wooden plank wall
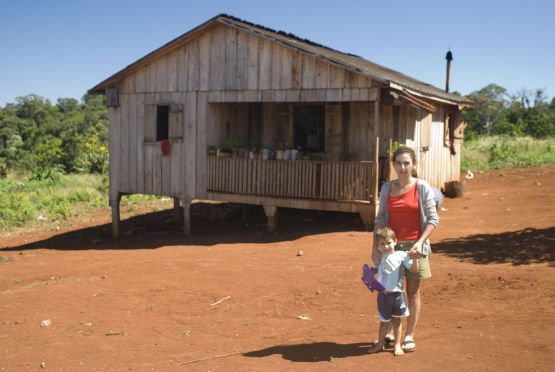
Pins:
x,y
361,130
334,132
423,132
225,121
435,163
222,65
136,161
225,59
113,145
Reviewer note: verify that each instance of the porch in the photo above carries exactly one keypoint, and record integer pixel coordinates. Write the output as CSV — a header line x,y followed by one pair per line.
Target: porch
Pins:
x,y
343,186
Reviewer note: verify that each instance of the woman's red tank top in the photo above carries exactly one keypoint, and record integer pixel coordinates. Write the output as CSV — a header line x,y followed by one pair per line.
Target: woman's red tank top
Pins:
x,y
404,214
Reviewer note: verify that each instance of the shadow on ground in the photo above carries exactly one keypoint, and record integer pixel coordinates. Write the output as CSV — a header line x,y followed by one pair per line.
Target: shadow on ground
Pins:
x,y
314,352
517,247
211,224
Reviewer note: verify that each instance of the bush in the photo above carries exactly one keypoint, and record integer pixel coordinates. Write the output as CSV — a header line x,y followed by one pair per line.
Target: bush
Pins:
x,y
94,156
491,152
52,175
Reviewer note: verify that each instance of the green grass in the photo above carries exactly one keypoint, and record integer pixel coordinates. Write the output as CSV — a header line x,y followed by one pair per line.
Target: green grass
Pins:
x,y
23,201
26,203
494,152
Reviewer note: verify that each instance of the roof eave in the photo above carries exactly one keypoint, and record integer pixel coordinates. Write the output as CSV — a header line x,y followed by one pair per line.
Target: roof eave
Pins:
x,y
460,103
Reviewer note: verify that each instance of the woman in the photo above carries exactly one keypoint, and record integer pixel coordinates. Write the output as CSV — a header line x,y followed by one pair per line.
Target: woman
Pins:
x,y
407,205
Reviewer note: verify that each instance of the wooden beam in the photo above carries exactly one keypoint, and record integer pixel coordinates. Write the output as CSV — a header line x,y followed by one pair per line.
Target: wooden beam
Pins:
x,y
413,100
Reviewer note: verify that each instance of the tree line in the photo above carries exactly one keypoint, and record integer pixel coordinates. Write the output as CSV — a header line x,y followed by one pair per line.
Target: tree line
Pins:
x,y
37,136
497,112
70,136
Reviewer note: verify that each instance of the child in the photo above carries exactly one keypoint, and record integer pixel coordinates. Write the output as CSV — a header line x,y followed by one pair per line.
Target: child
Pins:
x,y
392,304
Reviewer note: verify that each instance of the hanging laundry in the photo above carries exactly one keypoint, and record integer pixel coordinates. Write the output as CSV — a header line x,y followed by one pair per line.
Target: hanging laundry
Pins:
x,y
165,146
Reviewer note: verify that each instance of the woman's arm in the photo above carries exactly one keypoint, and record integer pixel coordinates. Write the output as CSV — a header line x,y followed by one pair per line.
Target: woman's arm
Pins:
x,y
375,253
380,221
432,219
415,264
417,246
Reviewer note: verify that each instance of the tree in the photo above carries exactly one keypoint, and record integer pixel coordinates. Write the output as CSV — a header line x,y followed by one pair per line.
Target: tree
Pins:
x,y
66,105
489,108
524,113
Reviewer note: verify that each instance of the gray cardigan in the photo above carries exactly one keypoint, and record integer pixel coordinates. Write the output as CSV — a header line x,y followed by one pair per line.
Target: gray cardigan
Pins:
x,y
427,206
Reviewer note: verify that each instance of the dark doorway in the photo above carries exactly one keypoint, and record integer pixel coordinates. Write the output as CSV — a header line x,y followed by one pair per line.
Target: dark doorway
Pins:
x,y
309,128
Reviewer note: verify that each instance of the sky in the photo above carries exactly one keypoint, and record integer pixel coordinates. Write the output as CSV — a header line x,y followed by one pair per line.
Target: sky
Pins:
x,y
62,48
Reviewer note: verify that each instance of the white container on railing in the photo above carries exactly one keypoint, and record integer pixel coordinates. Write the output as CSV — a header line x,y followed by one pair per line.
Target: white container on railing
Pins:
x,y
265,154
294,154
286,154
279,154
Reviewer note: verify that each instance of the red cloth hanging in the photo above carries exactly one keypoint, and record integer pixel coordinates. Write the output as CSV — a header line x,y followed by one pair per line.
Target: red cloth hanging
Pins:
x,y
165,146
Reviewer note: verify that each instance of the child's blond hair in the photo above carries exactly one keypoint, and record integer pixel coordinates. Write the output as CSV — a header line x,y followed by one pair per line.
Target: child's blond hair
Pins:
x,y
385,233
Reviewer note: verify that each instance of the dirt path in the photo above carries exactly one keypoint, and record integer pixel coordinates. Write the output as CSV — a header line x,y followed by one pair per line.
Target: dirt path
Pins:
x,y
154,299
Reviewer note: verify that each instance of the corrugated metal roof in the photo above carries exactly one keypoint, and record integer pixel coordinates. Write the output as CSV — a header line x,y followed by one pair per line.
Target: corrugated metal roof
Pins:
x,y
352,62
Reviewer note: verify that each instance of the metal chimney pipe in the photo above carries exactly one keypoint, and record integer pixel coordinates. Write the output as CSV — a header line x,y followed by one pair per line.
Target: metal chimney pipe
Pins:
x,y
449,58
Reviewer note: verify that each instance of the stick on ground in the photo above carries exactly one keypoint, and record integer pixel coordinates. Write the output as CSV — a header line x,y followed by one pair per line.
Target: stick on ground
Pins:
x,y
210,357
222,300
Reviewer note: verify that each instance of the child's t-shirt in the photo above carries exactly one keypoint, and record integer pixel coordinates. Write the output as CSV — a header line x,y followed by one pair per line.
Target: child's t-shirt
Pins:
x,y
391,269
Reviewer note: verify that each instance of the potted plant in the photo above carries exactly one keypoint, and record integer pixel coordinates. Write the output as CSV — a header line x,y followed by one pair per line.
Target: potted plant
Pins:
x,y
224,152
287,151
266,153
236,146
251,146
212,151
279,151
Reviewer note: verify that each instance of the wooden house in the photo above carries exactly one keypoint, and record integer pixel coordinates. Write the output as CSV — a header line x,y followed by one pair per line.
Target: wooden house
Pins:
x,y
231,79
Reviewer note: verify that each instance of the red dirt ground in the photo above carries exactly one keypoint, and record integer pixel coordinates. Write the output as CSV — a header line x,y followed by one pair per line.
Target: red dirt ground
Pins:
x,y
154,299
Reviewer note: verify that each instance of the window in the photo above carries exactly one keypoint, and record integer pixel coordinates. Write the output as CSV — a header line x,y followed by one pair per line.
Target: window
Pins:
x,y
162,122
309,128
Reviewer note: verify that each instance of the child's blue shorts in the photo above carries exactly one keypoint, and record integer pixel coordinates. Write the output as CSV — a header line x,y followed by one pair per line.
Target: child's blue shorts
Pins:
x,y
392,304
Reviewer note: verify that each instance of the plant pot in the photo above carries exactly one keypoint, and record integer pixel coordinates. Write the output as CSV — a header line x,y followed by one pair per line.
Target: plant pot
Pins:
x,y
294,154
240,153
265,154
287,155
279,154
252,154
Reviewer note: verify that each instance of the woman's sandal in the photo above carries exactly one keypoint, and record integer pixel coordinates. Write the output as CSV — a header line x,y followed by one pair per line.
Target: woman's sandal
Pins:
x,y
409,345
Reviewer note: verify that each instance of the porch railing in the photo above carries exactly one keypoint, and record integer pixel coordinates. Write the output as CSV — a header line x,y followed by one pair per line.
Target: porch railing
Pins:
x,y
310,179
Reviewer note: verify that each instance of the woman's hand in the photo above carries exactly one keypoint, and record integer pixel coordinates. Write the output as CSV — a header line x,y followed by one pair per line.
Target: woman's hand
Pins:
x,y
416,249
414,254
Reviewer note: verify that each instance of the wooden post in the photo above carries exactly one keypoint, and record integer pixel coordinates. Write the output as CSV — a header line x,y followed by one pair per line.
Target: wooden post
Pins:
x,y
367,214
376,172
389,165
186,203
115,215
271,217
176,209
